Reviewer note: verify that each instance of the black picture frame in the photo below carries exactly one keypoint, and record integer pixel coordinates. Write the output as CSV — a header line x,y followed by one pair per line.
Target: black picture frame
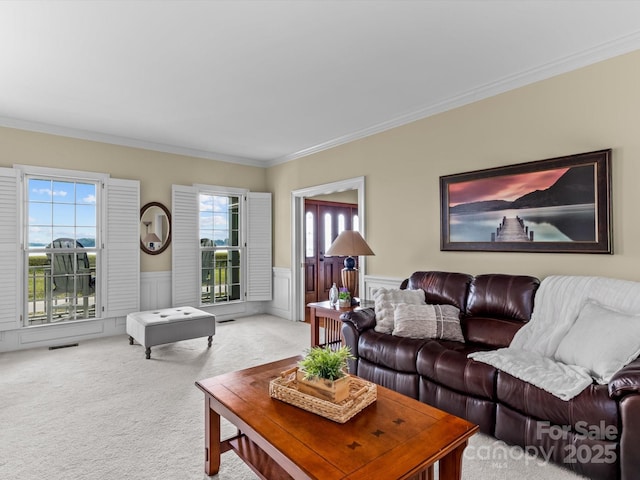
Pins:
x,y
557,205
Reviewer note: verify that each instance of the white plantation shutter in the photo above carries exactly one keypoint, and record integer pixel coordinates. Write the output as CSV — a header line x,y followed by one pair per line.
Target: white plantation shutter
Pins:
x,y
259,246
10,256
122,248
185,250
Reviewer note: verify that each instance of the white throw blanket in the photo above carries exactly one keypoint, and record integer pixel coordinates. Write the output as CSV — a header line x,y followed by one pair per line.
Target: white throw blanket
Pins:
x,y
558,301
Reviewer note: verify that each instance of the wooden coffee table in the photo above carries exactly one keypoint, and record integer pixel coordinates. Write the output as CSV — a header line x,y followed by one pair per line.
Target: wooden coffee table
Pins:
x,y
394,438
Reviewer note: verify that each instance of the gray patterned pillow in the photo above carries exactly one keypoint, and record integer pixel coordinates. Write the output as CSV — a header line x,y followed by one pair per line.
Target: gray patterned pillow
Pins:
x,y
385,301
428,321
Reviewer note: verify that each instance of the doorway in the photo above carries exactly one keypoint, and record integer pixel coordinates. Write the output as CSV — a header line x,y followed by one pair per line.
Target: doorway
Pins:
x,y
298,240
324,220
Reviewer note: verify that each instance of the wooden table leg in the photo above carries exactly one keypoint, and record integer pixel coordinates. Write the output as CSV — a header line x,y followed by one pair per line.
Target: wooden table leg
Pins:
x,y
427,474
451,465
315,328
211,439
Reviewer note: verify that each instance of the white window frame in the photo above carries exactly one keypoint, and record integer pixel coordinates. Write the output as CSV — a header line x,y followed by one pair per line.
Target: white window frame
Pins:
x,y
26,251
256,281
242,241
29,171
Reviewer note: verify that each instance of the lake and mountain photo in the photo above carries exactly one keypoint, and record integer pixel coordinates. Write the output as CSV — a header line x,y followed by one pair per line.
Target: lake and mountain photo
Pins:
x,y
556,205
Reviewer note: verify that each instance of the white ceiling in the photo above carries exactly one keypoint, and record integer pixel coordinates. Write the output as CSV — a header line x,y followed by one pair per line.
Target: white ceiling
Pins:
x,y
262,82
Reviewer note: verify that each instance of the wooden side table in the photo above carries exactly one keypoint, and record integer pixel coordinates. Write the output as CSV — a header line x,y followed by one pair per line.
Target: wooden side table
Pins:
x,y
330,316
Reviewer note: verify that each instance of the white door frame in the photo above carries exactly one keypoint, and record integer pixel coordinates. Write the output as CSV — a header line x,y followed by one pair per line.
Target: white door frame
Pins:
x,y
297,234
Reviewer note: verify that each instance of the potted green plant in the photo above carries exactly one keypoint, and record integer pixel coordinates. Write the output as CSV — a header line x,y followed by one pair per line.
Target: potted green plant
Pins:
x,y
323,373
344,298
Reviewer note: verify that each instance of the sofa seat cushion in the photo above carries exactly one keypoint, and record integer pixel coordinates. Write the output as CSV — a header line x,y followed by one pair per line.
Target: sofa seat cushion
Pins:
x,y
401,382
395,353
592,407
446,363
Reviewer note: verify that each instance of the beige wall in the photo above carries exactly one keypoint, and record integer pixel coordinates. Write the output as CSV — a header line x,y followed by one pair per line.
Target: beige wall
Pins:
x,y
156,171
592,108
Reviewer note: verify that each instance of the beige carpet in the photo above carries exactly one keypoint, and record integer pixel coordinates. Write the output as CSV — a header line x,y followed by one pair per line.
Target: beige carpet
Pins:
x,y
101,411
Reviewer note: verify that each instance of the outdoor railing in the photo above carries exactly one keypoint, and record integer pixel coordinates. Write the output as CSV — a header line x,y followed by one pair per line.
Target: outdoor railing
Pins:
x,y
217,285
45,306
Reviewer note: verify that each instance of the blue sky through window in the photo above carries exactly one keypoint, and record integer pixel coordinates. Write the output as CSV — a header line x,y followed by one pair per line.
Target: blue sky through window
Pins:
x,y
215,213
61,209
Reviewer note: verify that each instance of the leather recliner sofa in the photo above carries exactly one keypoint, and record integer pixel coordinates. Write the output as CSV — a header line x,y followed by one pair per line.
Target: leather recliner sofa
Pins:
x,y
597,433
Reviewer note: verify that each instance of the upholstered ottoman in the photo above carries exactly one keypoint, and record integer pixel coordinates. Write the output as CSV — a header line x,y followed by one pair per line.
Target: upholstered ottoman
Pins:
x,y
168,325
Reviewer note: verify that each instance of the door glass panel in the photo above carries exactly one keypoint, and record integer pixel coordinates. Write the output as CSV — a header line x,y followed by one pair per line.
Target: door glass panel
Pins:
x,y
328,237
309,235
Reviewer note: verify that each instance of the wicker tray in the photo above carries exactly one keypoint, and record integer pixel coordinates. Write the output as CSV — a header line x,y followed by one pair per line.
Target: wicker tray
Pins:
x,y
361,395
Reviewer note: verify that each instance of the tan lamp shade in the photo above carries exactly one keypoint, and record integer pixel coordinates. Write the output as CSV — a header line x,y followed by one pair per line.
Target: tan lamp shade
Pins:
x,y
151,237
349,243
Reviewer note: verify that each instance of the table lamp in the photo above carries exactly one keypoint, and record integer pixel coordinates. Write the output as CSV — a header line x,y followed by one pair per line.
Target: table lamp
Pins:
x,y
150,238
349,243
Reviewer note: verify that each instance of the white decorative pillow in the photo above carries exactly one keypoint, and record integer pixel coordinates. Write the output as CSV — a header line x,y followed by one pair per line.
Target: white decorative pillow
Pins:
x,y
385,301
601,340
428,321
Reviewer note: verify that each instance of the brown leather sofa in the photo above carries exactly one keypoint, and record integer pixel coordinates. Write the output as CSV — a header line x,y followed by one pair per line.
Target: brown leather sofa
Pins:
x,y
596,434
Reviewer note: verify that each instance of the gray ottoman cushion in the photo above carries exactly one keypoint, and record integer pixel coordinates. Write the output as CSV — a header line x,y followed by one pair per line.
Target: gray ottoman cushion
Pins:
x,y
156,327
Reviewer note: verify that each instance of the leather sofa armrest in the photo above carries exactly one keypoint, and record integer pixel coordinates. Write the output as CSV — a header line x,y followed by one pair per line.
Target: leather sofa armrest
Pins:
x,y
362,320
353,324
625,381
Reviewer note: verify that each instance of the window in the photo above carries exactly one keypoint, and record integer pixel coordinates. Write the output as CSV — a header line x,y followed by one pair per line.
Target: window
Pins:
x,y
221,245
61,254
221,249
69,246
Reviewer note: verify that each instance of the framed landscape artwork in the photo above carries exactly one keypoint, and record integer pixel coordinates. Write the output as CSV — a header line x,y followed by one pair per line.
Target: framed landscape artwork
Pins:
x,y
556,205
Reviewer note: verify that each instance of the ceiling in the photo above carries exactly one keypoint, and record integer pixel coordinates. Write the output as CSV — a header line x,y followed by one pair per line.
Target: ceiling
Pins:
x,y
263,82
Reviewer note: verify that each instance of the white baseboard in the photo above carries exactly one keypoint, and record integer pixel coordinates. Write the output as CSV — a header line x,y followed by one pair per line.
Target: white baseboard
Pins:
x,y
60,334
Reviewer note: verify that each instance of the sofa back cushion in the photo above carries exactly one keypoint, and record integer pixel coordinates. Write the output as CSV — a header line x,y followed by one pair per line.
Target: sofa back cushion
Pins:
x,y
497,306
441,287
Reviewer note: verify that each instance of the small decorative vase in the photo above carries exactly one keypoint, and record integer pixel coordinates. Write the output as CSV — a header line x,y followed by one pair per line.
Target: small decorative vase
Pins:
x,y
333,295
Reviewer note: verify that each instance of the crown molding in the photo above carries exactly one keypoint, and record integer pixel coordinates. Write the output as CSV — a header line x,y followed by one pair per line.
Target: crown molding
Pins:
x,y
560,66
125,141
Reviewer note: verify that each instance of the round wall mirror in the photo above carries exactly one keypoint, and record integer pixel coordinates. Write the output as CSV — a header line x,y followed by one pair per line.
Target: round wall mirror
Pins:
x,y
155,228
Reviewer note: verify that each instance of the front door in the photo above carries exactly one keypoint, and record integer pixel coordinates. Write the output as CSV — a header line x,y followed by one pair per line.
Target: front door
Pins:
x,y
323,222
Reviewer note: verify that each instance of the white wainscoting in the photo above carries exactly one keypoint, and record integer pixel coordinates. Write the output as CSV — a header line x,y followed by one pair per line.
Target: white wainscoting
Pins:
x,y
371,282
155,290
155,293
281,306
282,295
